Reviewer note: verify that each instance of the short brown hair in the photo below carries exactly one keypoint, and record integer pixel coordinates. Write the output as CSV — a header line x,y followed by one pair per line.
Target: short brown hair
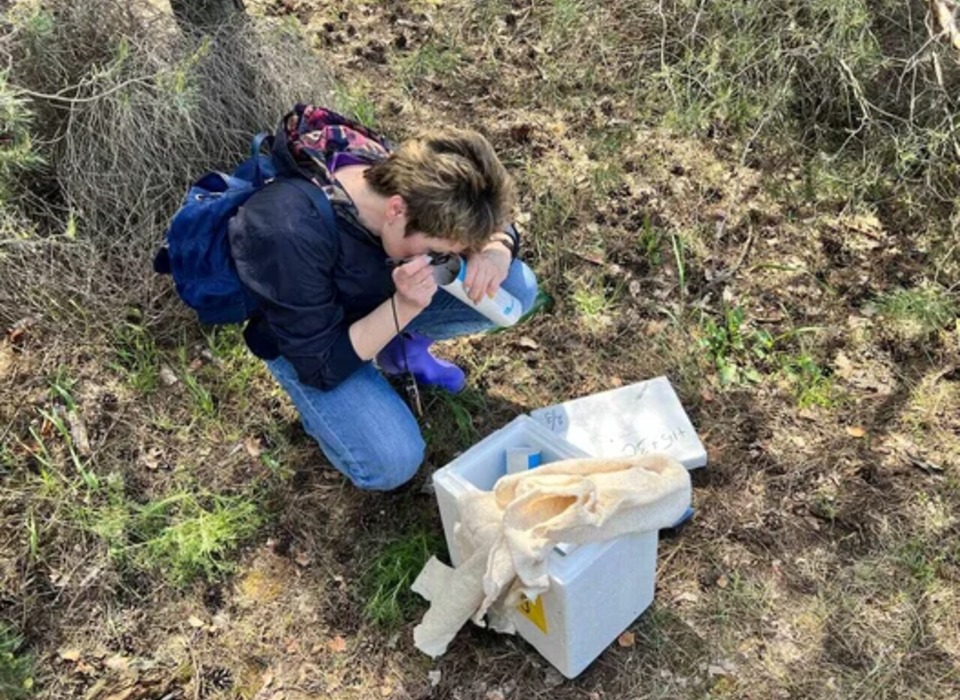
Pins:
x,y
454,185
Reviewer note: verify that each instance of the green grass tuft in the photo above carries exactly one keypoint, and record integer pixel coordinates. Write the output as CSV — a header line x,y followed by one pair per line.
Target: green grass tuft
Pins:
x,y
203,401
182,537
356,103
454,425
929,308
595,302
651,242
812,384
921,561
16,667
439,60
137,357
733,348
387,582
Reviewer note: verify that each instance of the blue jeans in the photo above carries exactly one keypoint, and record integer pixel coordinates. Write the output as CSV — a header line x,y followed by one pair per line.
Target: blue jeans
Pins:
x,y
362,425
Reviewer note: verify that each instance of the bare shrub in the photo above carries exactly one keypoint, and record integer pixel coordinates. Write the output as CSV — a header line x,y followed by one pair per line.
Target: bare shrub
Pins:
x,y
869,81
867,90
128,110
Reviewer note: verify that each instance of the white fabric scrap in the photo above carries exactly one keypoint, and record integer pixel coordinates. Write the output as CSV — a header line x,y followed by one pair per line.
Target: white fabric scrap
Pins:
x,y
505,536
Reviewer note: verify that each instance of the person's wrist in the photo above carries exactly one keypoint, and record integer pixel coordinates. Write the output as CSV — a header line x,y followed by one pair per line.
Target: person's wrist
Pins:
x,y
411,307
501,241
500,249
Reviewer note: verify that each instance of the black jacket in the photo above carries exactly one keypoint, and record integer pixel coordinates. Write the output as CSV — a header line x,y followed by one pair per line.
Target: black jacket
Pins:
x,y
311,282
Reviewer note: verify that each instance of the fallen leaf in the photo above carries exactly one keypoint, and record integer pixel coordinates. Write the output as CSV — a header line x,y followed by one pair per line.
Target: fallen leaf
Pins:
x,y
167,376
386,691
151,458
196,364
78,432
16,331
69,654
655,328
722,581
434,677
723,667
84,669
863,223
844,366
686,597
195,621
627,639
855,431
117,663
308,671
60,578
808,414
337,645
528,343
252,445
552,678
303,558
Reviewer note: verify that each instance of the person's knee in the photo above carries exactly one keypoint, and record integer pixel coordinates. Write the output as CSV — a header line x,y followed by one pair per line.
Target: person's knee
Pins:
x,y
390,466
523,286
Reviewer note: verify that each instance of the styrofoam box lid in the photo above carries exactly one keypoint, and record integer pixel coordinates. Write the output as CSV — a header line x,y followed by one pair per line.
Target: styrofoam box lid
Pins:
x,y
641,418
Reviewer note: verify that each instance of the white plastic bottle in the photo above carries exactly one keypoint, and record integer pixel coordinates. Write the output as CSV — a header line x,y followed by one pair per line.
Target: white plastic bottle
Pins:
x,y
503,308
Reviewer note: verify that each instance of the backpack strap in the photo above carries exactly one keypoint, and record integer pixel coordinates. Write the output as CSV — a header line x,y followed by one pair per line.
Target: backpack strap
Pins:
x,y
317,197
263,168
257,143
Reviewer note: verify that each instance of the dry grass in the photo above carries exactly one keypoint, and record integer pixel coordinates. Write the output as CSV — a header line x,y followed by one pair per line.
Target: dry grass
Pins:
x,y
757,201
127,111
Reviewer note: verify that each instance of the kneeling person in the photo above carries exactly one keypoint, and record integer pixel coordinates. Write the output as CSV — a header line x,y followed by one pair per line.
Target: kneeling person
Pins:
x,y
329,300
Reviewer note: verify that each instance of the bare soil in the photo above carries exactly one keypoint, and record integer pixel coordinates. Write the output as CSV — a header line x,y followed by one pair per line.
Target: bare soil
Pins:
x,y
823,558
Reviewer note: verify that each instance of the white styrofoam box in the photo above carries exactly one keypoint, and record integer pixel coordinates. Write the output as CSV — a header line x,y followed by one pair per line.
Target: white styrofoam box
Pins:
x,y
596,590
478,468
641,418
596,593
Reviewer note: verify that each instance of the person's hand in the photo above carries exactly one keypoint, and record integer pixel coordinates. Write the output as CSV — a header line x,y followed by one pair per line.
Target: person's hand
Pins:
x,y
486,271
415,283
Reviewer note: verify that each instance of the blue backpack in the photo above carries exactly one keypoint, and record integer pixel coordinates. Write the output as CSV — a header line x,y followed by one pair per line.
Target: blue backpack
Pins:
x,y
197,250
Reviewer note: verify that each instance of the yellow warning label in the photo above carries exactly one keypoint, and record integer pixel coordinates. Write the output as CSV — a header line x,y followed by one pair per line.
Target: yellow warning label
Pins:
x,y
533,611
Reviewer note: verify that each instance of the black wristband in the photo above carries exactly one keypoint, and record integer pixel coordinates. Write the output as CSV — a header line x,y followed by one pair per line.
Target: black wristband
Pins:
x,y
514,235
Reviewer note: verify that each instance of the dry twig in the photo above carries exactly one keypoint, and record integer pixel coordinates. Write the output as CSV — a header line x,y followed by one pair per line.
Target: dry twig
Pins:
x,y
945,17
